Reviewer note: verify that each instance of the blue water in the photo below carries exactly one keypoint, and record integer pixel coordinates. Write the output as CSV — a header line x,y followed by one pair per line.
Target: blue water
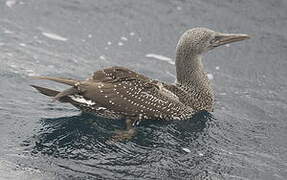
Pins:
x,y
244,138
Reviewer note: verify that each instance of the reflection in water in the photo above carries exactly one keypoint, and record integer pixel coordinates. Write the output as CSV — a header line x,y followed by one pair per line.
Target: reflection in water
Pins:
x,y
160,149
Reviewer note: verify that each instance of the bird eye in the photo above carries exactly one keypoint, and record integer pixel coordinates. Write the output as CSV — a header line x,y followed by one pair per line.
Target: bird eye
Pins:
x,y
214,40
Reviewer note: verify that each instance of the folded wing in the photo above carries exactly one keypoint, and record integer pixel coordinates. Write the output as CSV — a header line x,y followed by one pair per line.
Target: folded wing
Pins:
x,y
125,93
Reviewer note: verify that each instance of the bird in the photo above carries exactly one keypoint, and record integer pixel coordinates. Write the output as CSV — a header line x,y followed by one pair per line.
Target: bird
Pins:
x,y
118,92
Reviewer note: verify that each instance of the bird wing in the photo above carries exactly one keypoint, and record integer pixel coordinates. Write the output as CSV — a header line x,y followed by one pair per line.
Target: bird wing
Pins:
x,y
131,94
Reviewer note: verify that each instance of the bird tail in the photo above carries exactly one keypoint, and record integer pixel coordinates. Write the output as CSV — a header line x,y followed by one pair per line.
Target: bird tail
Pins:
x,y
70,82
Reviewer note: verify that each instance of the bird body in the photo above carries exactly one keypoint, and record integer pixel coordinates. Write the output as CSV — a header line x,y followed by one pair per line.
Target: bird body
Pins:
x,y
118,92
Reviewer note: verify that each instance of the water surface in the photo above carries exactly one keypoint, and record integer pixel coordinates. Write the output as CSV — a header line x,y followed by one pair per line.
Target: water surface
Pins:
x,y
244,138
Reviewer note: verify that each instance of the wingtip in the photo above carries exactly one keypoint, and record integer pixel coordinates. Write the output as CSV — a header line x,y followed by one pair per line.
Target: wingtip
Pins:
x,y
45,91
34,86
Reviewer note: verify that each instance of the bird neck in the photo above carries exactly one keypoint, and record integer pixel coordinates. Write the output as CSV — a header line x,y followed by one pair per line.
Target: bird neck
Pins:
x,y
192,78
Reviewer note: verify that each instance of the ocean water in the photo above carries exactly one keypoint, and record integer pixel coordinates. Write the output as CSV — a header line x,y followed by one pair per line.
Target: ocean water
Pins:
x,y
244,138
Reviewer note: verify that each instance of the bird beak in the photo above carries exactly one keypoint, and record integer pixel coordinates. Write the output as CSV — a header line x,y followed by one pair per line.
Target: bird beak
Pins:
x,y
222,38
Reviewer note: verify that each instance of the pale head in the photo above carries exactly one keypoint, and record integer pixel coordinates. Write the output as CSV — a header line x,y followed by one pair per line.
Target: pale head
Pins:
x,y
200,40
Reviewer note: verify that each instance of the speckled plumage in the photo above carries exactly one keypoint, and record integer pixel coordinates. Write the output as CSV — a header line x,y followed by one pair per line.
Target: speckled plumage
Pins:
x,y
118,92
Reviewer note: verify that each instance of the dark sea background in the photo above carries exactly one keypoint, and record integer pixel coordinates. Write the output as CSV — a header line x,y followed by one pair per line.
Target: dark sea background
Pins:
x,y
244,138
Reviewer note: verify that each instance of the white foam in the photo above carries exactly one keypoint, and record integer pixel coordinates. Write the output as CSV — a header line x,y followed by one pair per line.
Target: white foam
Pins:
x,y
81,99
90,36
10,3
178,8
172,75
124,38
102,57
161,58
30,72
109,43
6,31
210,76
227,45
186,150
120,44
54,36
22,44
217,67
132,33
10,54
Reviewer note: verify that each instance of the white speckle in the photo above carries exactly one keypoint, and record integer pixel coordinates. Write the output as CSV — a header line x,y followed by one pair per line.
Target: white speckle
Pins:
x,y
161,58
178,8
22,44
54,36
124,38
132,33
90,36
210,76
176,118
120,44
109,43
81,99
217,67
10,3
227,45
200,153
101,108
186,150
77,83
102,57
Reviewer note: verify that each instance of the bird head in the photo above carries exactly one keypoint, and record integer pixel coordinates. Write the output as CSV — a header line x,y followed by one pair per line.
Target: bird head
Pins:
x,y
201,40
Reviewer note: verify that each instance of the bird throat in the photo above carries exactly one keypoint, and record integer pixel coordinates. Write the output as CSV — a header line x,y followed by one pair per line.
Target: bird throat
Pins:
x,y
192,78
